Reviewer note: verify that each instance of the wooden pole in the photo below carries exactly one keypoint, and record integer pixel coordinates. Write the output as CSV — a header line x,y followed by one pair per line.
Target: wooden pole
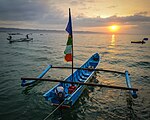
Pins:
x,y
81,83
72,42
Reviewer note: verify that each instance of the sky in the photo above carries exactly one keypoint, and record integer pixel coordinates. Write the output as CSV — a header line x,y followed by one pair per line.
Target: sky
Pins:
x,y
132,16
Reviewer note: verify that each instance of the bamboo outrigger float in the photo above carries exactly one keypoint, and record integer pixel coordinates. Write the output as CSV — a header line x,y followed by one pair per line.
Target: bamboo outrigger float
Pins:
x,y
31,82
128,82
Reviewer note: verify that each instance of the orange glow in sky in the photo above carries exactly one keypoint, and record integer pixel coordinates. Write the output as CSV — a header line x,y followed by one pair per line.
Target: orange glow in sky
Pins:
x,y
114,28
105,16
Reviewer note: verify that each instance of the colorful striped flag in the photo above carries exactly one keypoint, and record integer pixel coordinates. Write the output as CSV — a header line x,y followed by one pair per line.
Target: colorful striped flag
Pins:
x,y
68,50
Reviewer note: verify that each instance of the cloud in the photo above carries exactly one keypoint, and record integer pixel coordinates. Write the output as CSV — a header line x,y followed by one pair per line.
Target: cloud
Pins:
x,y
27,10
136,23
52,14
98,21
113,6
20,10
142,13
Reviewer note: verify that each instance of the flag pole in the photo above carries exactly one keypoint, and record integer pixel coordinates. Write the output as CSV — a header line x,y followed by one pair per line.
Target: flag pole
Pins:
x,y
72,44
69,48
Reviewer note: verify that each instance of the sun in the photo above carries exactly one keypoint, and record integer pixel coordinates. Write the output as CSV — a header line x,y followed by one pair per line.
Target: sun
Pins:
x,y
114,28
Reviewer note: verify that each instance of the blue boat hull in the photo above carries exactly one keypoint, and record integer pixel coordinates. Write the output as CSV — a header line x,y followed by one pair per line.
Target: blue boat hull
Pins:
x,y
78,76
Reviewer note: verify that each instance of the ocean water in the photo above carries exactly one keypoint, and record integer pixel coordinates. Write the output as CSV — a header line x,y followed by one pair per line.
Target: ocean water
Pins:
x,y
29,59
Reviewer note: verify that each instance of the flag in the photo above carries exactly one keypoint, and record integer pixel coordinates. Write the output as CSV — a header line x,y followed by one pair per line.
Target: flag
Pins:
x,y
68,50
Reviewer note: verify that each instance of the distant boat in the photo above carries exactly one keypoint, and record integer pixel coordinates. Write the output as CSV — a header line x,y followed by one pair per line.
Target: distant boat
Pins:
x,y
145,38
141,42
19,40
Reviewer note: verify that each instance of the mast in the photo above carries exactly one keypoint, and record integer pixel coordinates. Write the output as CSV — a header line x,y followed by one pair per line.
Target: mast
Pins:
x,y
71,35
72,44
69,48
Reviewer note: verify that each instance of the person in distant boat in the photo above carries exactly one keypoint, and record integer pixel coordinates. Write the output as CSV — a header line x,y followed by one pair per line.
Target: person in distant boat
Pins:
x,y
9,37
60,93
143,41
27,36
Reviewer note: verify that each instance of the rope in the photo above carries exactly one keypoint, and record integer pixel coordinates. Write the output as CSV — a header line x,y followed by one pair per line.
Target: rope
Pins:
x,y
54,110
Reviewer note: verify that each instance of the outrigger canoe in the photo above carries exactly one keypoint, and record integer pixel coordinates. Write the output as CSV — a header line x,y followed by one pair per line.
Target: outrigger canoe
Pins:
x,y
20,40
67,92
142,42
73,92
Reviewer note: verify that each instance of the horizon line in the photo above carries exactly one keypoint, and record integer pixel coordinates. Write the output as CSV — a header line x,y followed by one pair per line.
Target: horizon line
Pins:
x,y
6,29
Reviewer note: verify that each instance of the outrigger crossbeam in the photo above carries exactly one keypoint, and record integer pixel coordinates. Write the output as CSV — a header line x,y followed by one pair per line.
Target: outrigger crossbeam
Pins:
x,y
126,73
128,82
80,83
100,69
